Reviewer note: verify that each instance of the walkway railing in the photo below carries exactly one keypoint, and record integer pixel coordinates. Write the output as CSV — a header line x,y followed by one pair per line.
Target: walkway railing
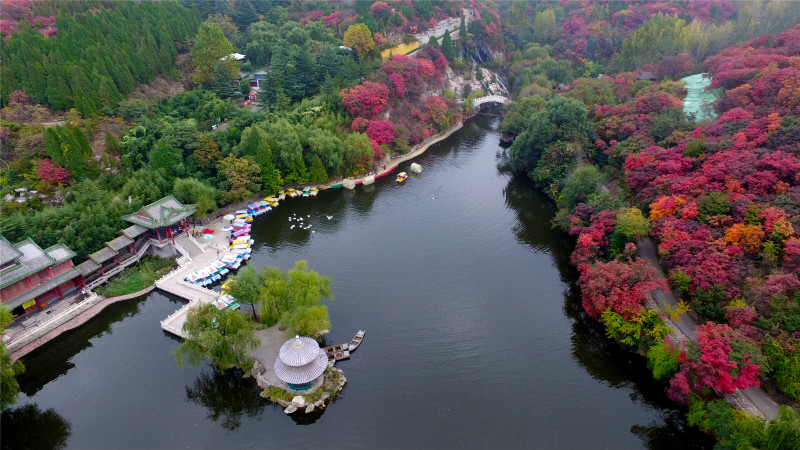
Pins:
x,y
36,331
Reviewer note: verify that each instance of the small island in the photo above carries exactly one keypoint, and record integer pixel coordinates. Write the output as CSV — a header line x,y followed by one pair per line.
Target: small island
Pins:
x,y
294,372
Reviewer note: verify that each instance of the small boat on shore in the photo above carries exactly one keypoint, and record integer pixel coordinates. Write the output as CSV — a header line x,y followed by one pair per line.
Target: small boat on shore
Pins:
x,y
401,177
356,341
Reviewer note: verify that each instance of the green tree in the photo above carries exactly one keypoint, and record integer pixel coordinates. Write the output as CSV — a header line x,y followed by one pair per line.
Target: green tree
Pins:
x,y
519,114
583,182
317,172
255,143
241,178
9,388
221,335
294,299
192,190
210,45
544,26
221,82
433,42
448,50
246,287
631,223
359,38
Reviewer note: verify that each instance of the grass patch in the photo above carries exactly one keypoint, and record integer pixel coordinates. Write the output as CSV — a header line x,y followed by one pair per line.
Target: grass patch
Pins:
x,y
402,49
137,277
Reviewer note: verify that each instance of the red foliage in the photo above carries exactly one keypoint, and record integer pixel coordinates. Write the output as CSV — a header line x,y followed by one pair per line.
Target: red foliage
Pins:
x,y
622,287
715,367
380,131
47,171
365,100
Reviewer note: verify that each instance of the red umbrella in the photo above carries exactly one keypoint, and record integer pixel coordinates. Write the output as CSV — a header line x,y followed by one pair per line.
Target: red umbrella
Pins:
x,y
207,231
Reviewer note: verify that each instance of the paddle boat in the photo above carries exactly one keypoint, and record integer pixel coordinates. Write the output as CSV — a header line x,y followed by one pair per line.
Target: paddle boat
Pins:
x,y
401,177
281,195
292,192
314,192
232,261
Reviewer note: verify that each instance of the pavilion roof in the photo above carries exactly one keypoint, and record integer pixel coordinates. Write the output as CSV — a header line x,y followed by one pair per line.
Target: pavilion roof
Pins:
x,y
87,267
57,280
7,251
32,260
161,213
102,255
119,242
59,253
302,374
134,230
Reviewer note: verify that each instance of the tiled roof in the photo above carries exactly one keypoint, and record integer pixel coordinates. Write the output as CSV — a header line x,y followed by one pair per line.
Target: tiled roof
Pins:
x,y
161,213
59,253
119,242
33,259
13,302
87,267
7,251
102,255
134,230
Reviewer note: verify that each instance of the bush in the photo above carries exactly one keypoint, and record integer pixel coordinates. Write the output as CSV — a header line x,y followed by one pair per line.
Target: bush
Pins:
x,y
708,302
713,204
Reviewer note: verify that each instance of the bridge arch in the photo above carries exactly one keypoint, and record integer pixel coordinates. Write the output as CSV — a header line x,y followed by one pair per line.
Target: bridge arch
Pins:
x,y
490,99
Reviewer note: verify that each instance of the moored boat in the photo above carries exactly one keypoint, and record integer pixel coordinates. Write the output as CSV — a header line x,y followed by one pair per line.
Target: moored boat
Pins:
x,y
356,341
401,177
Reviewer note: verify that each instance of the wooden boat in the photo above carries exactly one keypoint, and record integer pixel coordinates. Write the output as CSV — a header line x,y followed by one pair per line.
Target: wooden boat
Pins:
x,y
337,352
356,341
401,177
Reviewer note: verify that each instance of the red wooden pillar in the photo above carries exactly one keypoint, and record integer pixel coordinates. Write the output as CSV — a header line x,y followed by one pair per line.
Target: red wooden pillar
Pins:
x,y
134,248
159,235
60,295
118,261
101,270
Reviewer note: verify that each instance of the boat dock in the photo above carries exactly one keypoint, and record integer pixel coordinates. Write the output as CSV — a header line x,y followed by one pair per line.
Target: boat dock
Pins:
x,y
175,284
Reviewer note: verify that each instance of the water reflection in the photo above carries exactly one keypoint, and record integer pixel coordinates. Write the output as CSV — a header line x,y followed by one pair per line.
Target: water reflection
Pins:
x,y
55,357
28,427
604,359
227,396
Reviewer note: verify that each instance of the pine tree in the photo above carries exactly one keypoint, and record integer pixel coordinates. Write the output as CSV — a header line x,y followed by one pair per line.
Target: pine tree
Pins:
x,y
317,171
448,50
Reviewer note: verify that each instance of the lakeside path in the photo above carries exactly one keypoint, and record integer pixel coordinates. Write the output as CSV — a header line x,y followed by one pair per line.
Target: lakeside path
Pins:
x,y
392,163
752,400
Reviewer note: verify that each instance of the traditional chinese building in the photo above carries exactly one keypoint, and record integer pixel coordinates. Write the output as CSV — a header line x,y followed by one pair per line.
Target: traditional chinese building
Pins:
x,y
163,219
32,279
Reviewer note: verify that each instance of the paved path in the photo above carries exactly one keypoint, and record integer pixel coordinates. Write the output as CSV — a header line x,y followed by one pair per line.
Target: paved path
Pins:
x,y
752,400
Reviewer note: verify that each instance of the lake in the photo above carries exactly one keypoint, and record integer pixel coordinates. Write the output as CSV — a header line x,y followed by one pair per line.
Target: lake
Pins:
x,y
475,335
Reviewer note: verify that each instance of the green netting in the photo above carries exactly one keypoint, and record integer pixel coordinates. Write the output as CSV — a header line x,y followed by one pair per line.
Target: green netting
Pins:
x,y
698,100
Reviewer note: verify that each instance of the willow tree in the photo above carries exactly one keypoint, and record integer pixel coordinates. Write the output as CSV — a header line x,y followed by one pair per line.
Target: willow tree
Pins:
x,y
221,335
294,299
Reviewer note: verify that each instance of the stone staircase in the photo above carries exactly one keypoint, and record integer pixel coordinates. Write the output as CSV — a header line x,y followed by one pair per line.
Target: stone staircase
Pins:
x,y
188,246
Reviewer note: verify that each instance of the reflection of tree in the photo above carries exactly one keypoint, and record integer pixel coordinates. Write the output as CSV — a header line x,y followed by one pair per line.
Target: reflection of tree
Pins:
x,y
227,395
603,358
672,433
28,427
54,359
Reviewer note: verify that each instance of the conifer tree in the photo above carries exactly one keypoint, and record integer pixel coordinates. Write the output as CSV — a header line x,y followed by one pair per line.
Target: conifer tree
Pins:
x,y
448,50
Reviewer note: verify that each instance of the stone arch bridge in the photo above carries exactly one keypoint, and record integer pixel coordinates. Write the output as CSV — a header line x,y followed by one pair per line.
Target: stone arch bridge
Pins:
x,y
490,99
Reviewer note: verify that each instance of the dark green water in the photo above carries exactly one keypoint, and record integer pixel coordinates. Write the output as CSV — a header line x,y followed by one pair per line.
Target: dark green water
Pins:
x,y
475,335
